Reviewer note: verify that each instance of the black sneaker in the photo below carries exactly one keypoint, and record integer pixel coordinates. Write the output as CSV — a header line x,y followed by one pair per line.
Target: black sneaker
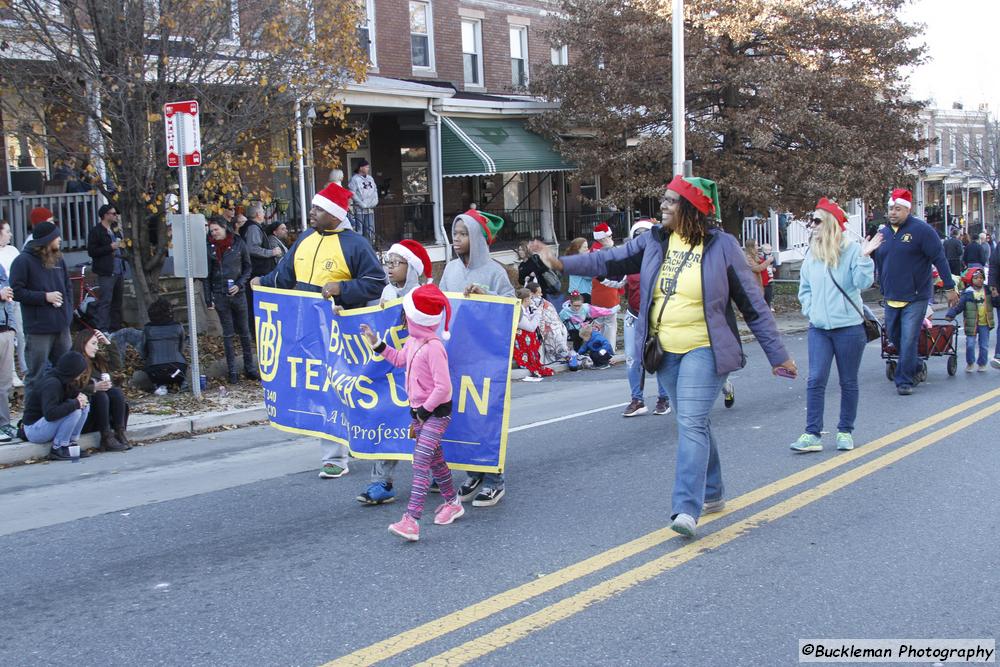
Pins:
x,y
252,374
662,406
59,454
488,497
468,490
234,378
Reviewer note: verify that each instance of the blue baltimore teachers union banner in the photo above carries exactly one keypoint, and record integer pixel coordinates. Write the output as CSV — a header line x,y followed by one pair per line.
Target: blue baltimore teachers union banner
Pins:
x,y
321,378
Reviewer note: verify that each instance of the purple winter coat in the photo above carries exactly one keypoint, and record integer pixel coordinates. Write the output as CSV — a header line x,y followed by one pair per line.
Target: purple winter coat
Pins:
x,y
725,279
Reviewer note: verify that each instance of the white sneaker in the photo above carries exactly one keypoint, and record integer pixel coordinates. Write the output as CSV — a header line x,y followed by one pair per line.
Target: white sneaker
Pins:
x,y
683,524
161,390
18,382
531,378
970,368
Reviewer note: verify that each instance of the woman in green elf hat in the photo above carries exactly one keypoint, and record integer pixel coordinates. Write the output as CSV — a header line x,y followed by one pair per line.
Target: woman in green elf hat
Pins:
x,y
696,332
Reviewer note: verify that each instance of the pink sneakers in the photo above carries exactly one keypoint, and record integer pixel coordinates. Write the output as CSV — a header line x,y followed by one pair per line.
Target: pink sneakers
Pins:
x,y
448,512
407,528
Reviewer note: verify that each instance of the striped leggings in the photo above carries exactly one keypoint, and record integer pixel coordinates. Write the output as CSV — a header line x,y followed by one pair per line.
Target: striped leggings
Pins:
x,y
428,459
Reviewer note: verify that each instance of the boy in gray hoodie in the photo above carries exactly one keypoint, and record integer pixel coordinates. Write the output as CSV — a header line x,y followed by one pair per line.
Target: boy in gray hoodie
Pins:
x,y
473,271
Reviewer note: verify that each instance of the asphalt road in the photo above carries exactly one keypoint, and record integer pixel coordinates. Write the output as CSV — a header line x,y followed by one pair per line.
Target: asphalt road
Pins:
x,y
228,550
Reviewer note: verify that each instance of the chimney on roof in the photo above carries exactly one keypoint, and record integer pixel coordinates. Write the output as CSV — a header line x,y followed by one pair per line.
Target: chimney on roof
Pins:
x,y
957,105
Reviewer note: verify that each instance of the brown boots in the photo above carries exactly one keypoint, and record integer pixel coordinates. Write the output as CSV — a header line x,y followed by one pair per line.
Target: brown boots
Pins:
x,y
111,444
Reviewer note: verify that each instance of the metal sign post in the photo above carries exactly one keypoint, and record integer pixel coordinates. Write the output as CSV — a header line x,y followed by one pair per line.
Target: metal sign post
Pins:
x,y
179,135
677,132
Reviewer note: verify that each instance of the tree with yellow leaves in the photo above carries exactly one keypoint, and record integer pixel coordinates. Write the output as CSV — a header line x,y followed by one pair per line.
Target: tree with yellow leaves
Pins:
x,y
96,74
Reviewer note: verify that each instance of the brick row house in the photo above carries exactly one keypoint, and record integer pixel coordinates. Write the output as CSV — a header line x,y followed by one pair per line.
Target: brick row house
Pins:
x,y
950,189
445,105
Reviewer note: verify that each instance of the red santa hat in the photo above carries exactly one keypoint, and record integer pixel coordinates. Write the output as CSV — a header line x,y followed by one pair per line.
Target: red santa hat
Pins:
x,y
333,199
427,306
830,207
602,231
415,255
901,197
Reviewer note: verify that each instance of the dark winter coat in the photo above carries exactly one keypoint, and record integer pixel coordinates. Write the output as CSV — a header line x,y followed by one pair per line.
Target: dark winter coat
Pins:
x,y
30,280
235,266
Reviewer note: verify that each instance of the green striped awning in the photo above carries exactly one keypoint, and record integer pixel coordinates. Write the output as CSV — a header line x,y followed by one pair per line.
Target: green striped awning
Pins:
x,y
487,146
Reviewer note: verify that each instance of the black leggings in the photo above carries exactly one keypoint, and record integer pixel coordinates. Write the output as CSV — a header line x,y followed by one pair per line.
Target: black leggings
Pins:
x,y
108,411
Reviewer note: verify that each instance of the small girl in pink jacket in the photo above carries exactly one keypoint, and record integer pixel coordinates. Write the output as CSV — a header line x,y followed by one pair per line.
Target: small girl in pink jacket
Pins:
x,y
428,386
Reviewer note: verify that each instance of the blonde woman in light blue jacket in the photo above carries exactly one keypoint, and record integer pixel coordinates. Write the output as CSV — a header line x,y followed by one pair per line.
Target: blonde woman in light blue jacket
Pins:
x,y
832,277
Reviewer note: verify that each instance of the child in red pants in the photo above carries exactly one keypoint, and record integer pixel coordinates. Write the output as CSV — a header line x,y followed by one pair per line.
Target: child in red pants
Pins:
x,y
428,386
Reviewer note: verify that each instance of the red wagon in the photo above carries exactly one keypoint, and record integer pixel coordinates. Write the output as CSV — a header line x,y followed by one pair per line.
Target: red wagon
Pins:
x,y
941,340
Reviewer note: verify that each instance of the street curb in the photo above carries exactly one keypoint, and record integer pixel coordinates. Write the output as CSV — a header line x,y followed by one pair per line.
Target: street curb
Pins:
x,y
521,373
23,451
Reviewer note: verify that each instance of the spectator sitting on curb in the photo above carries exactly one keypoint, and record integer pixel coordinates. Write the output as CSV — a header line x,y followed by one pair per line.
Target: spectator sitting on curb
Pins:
x,y
527,347
55,409
551,331
575,313
108,408
163,347
596,346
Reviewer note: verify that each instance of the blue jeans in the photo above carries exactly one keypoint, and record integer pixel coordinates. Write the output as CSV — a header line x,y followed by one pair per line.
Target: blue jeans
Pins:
x,y
61,432
982,337
633,364
903,328
491,480
846,344
692,386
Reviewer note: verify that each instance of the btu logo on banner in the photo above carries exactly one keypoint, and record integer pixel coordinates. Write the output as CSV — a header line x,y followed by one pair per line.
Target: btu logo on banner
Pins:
x,y
268,342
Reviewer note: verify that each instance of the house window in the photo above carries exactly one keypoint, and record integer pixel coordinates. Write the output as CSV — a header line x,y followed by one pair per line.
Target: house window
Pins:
x,y
421,39
472,52
937,148
951,148
366,30
519,56
560,55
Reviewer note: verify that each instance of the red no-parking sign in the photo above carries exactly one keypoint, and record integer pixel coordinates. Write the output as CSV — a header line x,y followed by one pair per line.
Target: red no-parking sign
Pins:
x,y
183,128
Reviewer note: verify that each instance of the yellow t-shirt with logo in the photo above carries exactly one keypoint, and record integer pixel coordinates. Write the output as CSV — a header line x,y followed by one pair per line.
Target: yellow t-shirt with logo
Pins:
x,y
681,328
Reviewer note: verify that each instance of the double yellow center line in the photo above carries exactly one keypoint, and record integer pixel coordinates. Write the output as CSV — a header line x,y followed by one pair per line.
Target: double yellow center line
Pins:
x,y
574,604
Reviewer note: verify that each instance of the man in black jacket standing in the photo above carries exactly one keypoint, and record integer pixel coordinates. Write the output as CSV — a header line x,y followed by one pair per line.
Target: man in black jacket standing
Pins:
x,y
41,285
103,246
263,258
953,251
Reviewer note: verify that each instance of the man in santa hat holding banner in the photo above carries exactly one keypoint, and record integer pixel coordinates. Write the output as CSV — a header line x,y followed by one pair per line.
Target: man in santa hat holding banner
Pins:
x,y
909,247
336,261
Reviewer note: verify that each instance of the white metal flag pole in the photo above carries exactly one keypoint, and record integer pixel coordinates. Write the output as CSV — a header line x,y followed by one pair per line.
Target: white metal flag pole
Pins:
x,y
188,274
678,87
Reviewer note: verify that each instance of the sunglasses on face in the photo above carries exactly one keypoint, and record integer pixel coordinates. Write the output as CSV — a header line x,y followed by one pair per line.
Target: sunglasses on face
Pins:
x,y
670,200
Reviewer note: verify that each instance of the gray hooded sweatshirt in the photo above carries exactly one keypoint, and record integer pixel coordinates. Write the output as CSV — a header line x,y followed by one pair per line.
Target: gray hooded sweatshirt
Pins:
x,y
482,270
392,292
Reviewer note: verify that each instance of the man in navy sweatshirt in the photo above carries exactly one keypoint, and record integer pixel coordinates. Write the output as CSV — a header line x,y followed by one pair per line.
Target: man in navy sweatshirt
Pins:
x,y
909,247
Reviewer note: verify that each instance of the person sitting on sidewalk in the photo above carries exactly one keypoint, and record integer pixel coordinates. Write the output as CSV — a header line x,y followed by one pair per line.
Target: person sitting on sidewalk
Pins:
x,y
55,409
551,331
575,313
163,347
527,348
596,346
108,407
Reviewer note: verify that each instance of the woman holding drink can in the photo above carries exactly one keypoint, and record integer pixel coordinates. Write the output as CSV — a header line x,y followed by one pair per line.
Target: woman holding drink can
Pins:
x,y
108,408
228,276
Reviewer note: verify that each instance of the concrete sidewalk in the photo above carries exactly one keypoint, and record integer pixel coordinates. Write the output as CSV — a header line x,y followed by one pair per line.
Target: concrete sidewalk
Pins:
x,y
142,428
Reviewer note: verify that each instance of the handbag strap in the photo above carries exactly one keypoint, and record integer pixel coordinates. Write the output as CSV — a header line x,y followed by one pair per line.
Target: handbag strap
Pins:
x,y
673,284
837,285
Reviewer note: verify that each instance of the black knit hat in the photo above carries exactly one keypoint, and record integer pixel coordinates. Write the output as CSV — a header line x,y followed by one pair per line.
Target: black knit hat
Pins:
x,y
71,365
43,233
